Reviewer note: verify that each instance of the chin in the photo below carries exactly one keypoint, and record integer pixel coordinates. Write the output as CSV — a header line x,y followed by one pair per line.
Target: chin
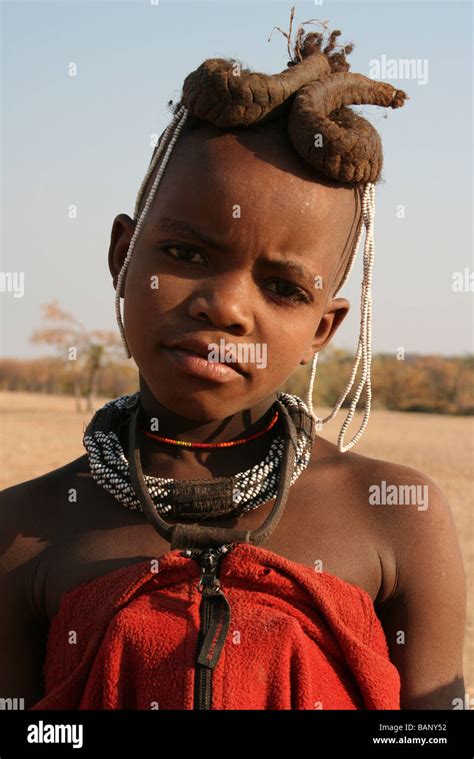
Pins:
x,y
202,404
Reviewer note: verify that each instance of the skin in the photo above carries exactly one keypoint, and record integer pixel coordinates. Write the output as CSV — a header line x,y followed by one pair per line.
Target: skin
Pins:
x,y
408,561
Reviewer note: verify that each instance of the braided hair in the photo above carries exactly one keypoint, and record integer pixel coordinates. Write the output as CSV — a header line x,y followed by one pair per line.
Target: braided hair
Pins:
x,y
311,100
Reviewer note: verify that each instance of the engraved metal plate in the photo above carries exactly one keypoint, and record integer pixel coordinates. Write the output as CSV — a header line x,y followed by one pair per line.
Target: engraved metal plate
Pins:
x,y
203,497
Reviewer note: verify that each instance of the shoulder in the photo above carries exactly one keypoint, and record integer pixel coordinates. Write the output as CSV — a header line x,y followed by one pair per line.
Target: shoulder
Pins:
x,y
378,481
411,505
30,521
29,503
393,493
423,607
402,505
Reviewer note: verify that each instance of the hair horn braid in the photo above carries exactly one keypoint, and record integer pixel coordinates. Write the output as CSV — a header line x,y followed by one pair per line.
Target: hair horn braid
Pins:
x,y
316,93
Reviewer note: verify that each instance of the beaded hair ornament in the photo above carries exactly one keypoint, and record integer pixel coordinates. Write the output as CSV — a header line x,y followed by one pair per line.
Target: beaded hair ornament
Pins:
x,y
312,96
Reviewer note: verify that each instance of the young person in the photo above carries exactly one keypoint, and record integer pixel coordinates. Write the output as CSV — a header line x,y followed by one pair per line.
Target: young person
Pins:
x,y
217,552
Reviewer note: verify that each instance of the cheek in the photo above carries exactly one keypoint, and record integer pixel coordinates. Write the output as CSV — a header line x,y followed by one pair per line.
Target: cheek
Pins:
x,y
146,281
151,304
289,341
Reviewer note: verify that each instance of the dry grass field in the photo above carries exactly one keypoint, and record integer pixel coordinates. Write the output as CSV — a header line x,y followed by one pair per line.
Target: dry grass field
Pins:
x,y
42,432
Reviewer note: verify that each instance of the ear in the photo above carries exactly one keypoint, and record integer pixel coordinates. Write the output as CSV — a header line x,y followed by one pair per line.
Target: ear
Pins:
x,y
121,234
330,321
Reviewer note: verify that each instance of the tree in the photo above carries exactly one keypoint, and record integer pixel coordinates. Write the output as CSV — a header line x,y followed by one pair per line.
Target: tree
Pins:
x,y
83,351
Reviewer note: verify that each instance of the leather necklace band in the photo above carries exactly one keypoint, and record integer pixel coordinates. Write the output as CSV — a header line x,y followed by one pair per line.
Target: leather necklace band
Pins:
x,y
195,536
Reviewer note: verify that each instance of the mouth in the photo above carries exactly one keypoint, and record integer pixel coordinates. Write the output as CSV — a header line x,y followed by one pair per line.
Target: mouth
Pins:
x,y
196,364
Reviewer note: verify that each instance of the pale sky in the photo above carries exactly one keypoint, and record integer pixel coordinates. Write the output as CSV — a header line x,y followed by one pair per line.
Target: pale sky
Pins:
x,y
85,140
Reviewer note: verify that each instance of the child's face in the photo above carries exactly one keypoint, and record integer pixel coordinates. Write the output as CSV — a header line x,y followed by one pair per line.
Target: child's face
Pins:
x,y
263,277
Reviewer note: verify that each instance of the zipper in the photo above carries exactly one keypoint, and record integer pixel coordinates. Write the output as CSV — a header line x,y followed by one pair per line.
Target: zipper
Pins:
x,y
214,612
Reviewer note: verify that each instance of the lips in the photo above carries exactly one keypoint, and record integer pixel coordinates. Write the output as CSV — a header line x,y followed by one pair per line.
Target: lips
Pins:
x,y
200,347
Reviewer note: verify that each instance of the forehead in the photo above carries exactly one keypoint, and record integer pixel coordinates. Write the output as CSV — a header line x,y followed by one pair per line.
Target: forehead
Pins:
x,y
250,186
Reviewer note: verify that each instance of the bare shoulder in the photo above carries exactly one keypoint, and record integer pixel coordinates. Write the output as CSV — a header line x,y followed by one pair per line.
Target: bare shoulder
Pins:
x,y
410,505
399,497
30,517
36,496
423,605
404,508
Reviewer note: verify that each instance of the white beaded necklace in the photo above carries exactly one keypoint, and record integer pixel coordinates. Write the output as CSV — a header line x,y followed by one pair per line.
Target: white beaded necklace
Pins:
x,y
110,468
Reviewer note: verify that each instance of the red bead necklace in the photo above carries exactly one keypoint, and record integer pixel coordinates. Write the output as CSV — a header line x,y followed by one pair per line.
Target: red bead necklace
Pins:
x,y
230,444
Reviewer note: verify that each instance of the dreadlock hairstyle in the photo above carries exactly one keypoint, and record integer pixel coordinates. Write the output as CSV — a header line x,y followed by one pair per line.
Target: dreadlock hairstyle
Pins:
x,y
311,97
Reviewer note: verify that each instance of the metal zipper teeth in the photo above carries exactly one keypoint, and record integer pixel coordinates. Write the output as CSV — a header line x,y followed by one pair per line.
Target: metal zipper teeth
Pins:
x,y
203,692
203,674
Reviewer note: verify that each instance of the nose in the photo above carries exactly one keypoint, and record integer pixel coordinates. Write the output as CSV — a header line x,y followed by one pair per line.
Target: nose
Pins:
x,y
224,302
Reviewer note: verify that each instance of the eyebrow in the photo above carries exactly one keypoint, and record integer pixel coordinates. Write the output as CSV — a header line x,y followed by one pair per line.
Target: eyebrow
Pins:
x,y
178,227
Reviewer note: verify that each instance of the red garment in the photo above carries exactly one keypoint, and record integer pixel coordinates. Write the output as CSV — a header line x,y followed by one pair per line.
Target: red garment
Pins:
x,y
298,639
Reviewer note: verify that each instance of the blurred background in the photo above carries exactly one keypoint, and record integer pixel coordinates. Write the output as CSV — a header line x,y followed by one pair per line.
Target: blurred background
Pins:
x,y
85,87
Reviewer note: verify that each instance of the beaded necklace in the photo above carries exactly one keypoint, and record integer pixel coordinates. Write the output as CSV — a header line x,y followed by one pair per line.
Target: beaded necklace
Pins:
x,y
212,446
215,497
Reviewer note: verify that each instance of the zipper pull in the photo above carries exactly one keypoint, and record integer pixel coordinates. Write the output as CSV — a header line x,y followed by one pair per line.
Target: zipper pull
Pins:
x,y
208,560
215,609
215,616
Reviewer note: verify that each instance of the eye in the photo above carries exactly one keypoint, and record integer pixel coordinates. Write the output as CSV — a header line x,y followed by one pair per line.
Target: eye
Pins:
x,y
288,291
182,253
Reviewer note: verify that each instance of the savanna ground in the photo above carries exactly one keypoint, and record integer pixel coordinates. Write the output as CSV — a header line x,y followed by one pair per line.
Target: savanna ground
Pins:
x,y
42,432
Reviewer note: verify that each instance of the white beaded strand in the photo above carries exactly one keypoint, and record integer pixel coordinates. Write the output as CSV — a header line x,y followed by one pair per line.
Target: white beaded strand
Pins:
x,y
154,160
364,347
178,122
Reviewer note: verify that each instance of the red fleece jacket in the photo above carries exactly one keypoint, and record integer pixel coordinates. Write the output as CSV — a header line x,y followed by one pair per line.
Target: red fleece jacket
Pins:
x,y
298,639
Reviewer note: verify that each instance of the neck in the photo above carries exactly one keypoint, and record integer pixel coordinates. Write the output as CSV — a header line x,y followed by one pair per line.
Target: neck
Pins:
x,y
167,460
